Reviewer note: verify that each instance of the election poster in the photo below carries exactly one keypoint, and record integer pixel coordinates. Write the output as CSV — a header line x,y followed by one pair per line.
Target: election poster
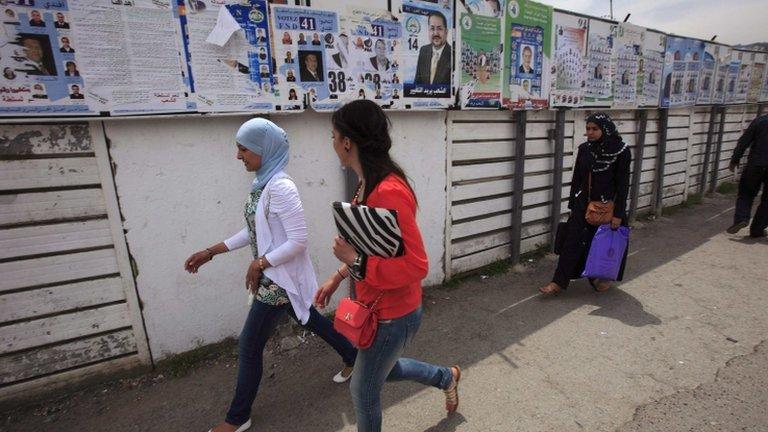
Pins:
x,y
708,74
682,64
481,61
626,64
229,55
41,62
489,8
650,69
570,53
303,39
743,77
427,61
599,85
723,61
372,39
732,94
764,87
130,55
757,76
528,41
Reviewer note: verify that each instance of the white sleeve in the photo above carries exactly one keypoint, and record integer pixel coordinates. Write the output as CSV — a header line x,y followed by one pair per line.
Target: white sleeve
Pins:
x,y
285,202
238,240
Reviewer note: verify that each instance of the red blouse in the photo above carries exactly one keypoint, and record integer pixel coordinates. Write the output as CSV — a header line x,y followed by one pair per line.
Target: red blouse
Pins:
x,y
399,279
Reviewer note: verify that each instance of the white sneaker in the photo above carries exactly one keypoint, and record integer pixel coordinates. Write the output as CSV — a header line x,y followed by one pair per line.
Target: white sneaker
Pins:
x,y
341,378
244,427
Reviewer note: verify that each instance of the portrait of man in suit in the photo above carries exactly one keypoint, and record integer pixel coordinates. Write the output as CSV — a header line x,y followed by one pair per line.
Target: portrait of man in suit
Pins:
x,y
527,60
434,63
310,67
380,61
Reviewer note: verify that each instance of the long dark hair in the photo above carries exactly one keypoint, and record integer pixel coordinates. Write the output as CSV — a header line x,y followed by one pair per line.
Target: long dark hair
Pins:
x,y
366,124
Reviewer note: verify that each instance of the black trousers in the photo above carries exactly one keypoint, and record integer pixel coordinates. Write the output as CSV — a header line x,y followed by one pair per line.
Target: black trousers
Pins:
x,y
752,179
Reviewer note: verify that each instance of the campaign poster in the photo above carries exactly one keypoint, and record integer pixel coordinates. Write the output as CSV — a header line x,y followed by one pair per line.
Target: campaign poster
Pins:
x,y
427,62
302,37
650,68
599,85
41,62
744,77
568,79
682,64
373,40
481,61
528,41
489,8
238,75
708,74
757,76
723,60
626,64
732,94
130,55
764,87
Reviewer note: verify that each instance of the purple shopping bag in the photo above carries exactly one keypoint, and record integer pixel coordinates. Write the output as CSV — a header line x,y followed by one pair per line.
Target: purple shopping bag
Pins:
x,y
606,253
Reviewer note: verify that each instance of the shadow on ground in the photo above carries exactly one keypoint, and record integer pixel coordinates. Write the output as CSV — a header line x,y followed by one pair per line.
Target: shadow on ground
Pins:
x,y
465,325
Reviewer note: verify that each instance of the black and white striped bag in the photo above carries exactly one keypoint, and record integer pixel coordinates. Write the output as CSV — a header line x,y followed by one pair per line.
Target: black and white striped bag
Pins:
x,y
372,231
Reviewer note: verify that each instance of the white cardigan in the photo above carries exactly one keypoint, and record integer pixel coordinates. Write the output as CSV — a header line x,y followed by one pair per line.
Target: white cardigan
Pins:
x,y
281,237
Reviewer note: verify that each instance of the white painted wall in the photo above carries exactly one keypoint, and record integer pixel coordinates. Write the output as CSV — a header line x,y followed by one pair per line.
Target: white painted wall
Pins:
x,y
181,189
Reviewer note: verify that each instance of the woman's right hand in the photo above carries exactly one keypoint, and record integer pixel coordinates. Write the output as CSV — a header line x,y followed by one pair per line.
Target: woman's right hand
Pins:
x,y
325,292
194,262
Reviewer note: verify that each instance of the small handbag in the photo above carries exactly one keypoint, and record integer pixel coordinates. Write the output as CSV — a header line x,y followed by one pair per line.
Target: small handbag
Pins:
x,y
357,322
598,212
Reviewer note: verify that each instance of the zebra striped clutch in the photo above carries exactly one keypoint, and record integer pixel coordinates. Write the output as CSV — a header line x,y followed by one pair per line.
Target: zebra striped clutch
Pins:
x,y
372,231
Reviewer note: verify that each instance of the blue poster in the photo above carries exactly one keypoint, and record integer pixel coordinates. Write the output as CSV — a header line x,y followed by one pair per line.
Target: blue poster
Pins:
x,y
682,64
427,59
303,37
40,63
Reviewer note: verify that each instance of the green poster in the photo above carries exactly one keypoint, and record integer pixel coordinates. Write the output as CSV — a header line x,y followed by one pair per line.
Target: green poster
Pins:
x,y
528,52
480,61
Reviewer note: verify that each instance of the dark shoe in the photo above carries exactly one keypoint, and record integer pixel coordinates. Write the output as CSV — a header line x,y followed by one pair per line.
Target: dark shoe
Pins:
x,y
738,226
758,234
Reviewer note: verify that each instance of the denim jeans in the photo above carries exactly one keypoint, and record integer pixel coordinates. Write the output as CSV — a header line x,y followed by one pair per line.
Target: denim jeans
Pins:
x,y
261,321
752,179
382,362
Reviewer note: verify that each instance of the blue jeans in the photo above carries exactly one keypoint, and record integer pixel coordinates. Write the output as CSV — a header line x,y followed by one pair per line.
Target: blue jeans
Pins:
x,y
262,320
382,362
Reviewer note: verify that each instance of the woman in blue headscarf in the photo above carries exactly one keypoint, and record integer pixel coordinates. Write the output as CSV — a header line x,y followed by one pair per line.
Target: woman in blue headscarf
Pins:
x,y
281,277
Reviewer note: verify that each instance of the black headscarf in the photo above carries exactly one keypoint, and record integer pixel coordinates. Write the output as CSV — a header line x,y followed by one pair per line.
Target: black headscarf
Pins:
x,y
607,149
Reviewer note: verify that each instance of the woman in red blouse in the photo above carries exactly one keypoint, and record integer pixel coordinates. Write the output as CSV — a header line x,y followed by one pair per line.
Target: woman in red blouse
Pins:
x,y
362,142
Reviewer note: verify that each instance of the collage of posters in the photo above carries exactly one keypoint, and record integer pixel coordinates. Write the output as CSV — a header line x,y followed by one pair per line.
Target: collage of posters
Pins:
x,y
599,85
650,69
41,62
427,59
126,57
528,39
481,61
570,52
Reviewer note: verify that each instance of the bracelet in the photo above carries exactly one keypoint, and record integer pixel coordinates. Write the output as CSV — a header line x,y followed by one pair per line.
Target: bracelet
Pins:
x,y
210,254
342,276
261,263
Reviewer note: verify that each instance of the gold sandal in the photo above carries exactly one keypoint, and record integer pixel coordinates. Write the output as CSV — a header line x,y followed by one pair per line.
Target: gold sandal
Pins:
x,y
452,392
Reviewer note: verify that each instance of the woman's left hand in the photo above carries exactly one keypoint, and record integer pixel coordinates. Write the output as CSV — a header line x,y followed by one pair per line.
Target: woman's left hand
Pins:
x,y
615,223
344,251
252,276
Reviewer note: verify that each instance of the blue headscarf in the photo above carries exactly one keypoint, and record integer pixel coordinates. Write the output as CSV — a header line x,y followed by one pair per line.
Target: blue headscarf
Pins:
x,y
269,141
